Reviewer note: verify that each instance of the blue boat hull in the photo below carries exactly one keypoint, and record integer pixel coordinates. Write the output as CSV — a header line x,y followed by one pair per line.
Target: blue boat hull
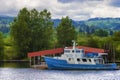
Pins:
x,y
62,64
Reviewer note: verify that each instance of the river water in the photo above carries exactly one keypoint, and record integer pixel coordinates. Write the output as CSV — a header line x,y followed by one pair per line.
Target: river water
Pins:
x,y
18,73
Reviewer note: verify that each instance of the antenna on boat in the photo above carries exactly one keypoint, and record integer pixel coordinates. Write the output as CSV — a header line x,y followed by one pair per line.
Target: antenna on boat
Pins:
x,y
74,44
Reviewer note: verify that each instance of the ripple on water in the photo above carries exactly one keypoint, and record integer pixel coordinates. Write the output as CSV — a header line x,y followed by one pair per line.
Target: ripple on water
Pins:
x,y
35,74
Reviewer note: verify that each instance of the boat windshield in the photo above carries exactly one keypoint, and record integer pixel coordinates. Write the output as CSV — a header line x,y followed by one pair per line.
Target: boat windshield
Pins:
x,y
99,61
67,51
77,51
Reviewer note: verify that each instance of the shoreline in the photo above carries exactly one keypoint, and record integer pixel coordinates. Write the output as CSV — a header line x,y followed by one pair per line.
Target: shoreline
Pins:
x,y
14,60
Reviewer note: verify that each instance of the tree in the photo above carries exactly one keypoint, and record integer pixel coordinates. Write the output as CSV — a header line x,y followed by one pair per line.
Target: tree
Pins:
x,y
41,30
1,47
101,33
91,42
65,32
116,36
9,49
32,31
21,33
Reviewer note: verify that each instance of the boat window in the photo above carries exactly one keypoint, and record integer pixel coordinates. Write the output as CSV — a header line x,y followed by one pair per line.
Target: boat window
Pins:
x,y
89,60
73,51
100,61
67,51
82,51
78,59
95,60
84,60
77,51
69,59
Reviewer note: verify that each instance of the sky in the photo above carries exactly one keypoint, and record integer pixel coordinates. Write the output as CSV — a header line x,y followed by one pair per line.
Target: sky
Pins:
x,y
75,9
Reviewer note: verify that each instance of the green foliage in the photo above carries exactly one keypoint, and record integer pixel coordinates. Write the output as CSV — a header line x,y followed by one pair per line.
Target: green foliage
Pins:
x,y
116,36
32,31
10,51
117,49
21,33
81,39
92,42
41,30
101,33
116,39
65,32
1,47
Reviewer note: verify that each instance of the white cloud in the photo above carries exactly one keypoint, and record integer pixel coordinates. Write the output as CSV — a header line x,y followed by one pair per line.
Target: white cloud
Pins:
x,y
104,10
75,9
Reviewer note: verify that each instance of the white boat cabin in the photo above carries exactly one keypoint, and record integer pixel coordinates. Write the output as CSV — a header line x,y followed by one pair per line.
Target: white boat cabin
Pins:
x,y
78,56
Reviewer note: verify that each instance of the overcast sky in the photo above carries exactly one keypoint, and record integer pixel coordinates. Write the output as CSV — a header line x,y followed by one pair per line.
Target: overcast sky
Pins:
x,y
75,9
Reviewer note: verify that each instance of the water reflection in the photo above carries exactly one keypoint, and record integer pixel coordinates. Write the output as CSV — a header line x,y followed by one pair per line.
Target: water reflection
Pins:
x,y
17,64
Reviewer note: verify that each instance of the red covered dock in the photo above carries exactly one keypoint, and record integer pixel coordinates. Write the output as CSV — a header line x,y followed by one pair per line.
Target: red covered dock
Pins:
x,y
60,50
36,59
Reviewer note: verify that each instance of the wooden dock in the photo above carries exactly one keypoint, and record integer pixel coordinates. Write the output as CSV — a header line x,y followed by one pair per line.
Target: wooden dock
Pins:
x,y
40,66
118,67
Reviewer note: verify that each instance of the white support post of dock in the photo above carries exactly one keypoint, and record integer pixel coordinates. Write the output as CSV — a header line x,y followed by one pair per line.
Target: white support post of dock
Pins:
x,y
30,62
34,60
38,60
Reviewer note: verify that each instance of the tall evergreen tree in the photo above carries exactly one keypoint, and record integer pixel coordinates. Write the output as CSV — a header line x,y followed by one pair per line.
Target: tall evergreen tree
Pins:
x,y
21,33
31,31
41,30
1,47
66,32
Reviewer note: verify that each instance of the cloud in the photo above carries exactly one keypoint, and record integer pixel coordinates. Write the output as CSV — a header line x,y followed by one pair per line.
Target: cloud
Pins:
x,y
65,1
81,1
75,9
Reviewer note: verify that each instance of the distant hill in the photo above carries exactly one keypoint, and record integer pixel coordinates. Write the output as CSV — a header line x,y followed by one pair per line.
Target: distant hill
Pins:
x,y
103,23
5,23
93,24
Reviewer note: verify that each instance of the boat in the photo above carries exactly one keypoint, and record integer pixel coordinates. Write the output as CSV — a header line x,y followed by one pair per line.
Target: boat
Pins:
x,y
76,59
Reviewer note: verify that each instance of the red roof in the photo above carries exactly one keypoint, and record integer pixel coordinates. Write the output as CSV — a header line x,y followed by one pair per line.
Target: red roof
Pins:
x,y
89,49
60,50
46,52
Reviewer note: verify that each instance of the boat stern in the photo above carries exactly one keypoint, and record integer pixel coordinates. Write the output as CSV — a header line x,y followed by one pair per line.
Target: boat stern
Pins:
x,y
114,66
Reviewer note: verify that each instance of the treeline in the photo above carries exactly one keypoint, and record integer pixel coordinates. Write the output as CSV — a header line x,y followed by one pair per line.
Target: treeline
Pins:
x,y
33,31
96,31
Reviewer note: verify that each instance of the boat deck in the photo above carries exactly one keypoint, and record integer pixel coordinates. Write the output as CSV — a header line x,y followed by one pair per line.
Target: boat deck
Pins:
x,y
44,67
